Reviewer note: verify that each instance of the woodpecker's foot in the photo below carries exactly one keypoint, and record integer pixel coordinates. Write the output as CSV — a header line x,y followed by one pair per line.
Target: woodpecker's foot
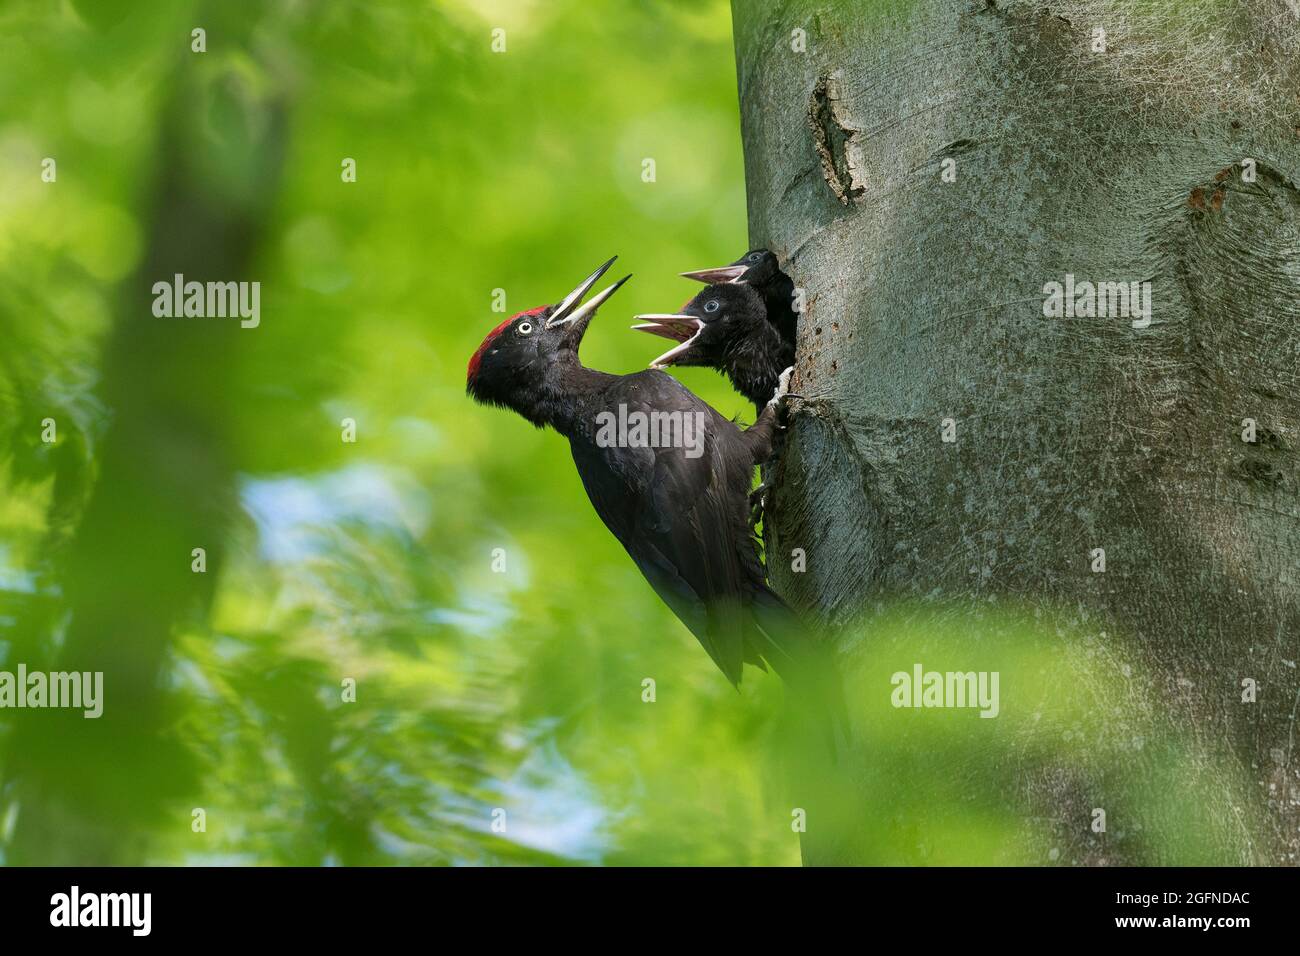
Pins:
x,y
757,501
782,388
781,397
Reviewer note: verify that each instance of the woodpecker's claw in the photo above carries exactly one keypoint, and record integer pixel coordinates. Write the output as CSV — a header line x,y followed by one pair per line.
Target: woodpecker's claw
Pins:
x,y
782,388
757,505
568,310
720,274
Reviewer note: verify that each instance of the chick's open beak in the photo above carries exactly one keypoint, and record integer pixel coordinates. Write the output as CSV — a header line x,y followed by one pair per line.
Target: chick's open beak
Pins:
x,y
683,329
720,274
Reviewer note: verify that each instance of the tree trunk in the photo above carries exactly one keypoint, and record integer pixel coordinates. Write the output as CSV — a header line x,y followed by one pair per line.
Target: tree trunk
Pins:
x,y
926,169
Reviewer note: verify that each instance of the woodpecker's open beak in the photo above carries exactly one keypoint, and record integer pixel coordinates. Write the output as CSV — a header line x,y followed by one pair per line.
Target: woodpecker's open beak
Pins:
x,y
574,313
684,329
720,274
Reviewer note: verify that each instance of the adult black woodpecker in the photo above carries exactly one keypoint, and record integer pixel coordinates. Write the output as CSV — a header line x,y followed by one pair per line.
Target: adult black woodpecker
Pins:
x,y
725,327
760,269
678,506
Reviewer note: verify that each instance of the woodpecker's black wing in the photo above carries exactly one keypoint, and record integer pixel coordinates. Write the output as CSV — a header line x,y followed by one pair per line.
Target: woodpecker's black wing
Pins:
x,y
683,519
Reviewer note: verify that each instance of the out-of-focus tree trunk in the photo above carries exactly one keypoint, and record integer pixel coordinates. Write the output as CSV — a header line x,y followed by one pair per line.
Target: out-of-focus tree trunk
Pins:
x,y
1108,140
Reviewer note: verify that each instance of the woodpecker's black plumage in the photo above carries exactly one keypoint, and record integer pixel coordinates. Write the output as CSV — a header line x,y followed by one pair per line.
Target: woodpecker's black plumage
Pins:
x,y
761,270
682,517
726,327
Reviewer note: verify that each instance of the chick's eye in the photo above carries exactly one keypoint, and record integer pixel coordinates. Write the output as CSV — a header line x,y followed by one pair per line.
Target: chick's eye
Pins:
x,y
525,327
711,305
754,257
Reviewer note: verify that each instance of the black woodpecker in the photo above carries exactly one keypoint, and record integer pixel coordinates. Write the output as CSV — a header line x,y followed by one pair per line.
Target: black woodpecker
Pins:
x,y
760,269
675,496
726,327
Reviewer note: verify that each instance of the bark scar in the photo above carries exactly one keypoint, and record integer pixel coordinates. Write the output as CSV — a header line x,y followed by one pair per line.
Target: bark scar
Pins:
x,y
836,141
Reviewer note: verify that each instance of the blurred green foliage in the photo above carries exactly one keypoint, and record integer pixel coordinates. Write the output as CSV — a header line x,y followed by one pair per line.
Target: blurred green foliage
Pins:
x,y
1078,729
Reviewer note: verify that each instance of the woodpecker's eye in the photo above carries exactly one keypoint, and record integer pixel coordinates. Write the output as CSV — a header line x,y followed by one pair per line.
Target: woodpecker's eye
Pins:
x,y
755,256
525,327
711,306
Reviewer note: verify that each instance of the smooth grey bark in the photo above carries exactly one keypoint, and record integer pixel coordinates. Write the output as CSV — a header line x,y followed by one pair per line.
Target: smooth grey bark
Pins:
x,y
924,302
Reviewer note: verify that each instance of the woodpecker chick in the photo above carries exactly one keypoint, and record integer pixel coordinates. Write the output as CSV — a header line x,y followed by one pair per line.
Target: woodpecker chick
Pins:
x,y
678,503
725,327
760,269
